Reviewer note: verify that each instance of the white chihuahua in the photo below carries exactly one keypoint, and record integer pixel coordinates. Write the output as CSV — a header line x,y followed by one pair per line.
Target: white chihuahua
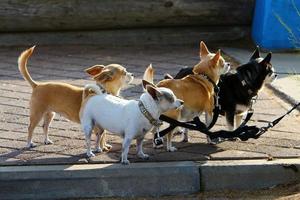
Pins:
x,y
130,119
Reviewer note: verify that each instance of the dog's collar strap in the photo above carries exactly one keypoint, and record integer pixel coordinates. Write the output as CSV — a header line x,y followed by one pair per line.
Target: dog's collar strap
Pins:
x,y
103,90
148,116
216,88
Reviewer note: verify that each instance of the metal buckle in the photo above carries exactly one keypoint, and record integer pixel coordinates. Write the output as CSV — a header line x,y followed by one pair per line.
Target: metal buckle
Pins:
x,y
158,141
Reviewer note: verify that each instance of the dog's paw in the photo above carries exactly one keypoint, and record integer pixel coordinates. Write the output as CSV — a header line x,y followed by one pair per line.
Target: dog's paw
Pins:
x,y
143,156
125,162
172,149
90,154
184,139
108,146
214,141
31,145
98,150
47,142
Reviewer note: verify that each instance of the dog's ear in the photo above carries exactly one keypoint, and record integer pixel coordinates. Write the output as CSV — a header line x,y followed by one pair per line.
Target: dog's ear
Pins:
x,y
146,83
216,57
105,75
94,70
203,50
255,54
267,59
168,76
153,92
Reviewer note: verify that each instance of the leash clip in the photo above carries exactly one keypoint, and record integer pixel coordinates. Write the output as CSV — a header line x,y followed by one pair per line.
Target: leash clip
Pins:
x,y
158,140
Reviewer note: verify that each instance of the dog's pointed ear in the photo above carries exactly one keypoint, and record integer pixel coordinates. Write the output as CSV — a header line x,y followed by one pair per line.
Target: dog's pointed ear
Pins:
x,y
255,54
103,76
267,59
203,50
216,57
168,76
153,92
94,70
146,83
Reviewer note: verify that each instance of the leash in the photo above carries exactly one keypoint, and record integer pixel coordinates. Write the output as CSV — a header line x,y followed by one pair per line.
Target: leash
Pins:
x,y
243,132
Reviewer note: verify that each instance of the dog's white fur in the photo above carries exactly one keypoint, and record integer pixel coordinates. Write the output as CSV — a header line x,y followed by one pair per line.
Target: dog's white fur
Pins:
x,y
123,117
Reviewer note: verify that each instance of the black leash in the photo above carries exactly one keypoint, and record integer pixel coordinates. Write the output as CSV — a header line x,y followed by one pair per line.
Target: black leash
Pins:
x,y
243,132
276,121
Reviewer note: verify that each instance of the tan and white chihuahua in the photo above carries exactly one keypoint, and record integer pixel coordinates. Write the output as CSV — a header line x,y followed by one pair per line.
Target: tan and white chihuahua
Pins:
x,y
49,98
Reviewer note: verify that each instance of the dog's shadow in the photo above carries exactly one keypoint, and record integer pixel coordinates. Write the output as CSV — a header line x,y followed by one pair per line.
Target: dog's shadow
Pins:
x,y
25,156
185,152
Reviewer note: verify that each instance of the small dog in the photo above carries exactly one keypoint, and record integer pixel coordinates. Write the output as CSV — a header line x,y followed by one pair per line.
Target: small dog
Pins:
x,y
49,98
130,119
196,90
238,87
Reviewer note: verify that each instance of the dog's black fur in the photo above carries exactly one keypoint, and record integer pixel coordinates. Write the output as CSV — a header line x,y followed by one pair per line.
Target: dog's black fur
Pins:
x,y
240,86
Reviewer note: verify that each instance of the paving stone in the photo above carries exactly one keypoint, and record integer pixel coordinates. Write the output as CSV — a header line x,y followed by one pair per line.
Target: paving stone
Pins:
x,y
235,154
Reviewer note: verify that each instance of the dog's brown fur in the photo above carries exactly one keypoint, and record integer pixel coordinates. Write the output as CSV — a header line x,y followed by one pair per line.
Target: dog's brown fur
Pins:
x,y
49,98
196,91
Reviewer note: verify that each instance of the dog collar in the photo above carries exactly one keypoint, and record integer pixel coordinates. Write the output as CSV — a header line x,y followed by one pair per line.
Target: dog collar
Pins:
x,y
216,88
148,116
103,90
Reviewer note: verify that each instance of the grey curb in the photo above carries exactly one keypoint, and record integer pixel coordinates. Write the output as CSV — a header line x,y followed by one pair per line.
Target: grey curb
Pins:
x,y
248,174
98,180
143,179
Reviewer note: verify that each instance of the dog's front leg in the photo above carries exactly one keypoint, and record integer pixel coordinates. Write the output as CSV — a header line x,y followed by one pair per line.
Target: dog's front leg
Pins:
x,y
230,120
125,149
238,120
139,148
208,120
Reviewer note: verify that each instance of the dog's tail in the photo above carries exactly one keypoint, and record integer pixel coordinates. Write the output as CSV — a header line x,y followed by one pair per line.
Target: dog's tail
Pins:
x,y
90,89
149,74
22,63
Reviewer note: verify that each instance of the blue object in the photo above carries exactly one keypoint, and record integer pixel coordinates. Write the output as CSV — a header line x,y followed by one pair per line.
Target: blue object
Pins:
x,y
276,24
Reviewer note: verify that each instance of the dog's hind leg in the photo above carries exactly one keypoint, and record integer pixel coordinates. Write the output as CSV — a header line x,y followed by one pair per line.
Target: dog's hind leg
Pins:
x,y
170,148
104,145
48,117
99,133
36,114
